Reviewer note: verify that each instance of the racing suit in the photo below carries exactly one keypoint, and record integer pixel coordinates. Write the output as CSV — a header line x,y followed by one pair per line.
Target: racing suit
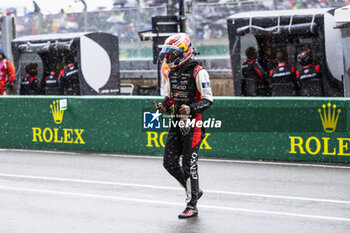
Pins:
x,y
189,85
251,69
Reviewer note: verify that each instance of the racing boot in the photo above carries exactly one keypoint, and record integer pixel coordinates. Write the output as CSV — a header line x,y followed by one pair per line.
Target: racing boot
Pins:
x,y
189,212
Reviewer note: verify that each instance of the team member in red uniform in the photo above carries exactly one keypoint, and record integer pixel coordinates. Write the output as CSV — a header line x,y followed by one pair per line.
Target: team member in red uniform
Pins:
x,y
70,77
308,71
30,85
283,73
189,91
308,76
52,82
7,73
251,69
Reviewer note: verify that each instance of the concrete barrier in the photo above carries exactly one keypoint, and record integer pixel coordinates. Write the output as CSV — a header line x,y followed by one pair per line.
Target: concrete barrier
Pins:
x,y
287,129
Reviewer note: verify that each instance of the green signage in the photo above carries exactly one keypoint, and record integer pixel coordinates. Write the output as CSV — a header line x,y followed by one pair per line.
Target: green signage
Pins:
x,y
286,129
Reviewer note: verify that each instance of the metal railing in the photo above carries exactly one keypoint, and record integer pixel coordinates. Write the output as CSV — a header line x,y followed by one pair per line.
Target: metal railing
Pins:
x,y
206,25
125,23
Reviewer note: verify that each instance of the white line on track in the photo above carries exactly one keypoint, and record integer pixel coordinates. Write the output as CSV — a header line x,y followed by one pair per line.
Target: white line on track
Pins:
x,y
172,188
105,197
290,164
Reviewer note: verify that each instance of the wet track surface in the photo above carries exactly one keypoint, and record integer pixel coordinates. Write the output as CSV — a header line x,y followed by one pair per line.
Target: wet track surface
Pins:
x,y
72,192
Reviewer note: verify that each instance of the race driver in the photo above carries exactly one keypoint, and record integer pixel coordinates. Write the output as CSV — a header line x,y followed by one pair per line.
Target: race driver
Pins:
x,y
189,92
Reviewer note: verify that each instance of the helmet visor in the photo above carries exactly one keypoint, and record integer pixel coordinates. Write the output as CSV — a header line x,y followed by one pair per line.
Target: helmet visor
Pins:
x,y
168,49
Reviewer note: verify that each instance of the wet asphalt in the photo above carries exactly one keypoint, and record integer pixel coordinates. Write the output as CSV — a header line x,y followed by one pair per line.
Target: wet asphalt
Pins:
x,y
85,192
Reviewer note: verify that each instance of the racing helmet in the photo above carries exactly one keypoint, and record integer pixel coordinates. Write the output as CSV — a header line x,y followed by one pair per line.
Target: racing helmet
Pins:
x,y
305,57
32,69
181,46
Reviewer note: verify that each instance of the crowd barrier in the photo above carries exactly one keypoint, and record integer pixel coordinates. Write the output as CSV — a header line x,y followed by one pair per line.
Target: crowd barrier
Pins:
x,y
283,129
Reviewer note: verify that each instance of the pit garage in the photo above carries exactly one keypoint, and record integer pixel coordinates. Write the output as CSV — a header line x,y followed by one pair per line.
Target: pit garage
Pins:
x,y
95,53
291,31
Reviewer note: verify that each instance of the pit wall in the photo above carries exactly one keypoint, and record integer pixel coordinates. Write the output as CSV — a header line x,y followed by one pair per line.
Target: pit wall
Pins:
x,y
283,129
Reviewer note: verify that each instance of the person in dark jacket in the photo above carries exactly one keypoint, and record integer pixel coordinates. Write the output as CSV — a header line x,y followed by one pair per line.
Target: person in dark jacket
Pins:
x,y
283,73
308,70
30,85
309,76
52,82
251,69
70,77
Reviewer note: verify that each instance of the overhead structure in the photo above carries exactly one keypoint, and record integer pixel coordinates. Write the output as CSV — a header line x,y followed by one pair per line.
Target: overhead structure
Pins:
x,y
342,19
96,55
292,31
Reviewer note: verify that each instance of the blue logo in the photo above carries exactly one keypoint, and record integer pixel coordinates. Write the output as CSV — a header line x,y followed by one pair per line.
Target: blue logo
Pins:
x,y
206,85
151,120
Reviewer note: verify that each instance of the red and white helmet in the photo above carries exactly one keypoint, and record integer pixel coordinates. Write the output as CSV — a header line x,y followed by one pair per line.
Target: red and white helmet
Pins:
x,y
180,45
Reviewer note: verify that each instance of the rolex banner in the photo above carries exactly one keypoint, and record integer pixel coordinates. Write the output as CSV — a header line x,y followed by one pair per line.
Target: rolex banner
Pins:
x,y
287,129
